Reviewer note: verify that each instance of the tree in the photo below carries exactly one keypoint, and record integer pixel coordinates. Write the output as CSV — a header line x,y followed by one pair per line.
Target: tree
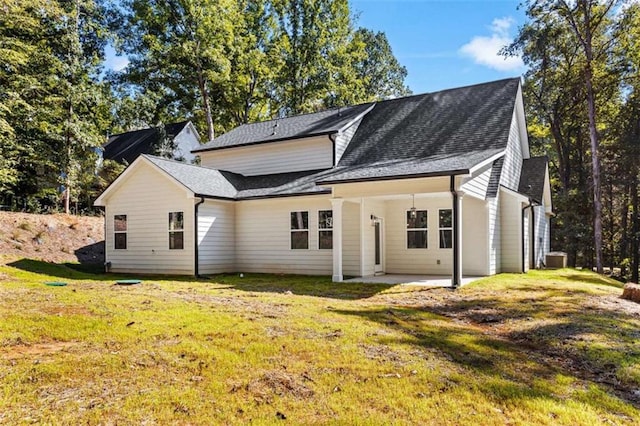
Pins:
x,y
180,49
568,46
382,75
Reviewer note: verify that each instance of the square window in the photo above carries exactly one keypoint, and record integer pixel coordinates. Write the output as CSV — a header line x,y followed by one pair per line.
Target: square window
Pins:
x,y
300,240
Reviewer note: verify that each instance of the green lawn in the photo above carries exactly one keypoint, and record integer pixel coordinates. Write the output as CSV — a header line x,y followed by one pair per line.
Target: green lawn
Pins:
x,y
549,347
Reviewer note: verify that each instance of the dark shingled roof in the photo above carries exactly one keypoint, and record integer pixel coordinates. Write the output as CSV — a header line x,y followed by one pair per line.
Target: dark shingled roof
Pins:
x,y
457,128
532,177
199,180
494,179
306,125
214,183
435,134
126,147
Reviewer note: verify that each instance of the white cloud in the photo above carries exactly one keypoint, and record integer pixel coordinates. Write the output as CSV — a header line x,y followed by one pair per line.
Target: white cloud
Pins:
x,y
484,50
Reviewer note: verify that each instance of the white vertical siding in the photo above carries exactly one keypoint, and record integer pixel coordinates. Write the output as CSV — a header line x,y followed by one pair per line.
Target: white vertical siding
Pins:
x,y
343,139
511,233
512,166
476,186
216,237
351,239
474,237
494,235
146,197
271,158
263,237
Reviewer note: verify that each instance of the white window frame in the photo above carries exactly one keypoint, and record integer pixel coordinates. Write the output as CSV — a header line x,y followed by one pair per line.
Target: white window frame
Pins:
x,y
441,228
325,229
175,231
125,232
291,230
425,229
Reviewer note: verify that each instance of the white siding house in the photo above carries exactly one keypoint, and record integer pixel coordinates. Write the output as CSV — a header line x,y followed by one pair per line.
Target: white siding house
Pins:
x,y
433,184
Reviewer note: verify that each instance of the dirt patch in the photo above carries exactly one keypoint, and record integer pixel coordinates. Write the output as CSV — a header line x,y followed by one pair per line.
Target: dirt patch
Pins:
x,y
40,349
631,292
53,238
278,383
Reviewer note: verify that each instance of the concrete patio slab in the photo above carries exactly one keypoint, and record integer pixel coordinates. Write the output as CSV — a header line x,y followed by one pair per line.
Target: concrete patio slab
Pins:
x,y
421,280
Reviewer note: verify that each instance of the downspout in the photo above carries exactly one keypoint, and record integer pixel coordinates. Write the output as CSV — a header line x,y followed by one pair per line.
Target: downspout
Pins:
x,y
530,205
455,283
195,237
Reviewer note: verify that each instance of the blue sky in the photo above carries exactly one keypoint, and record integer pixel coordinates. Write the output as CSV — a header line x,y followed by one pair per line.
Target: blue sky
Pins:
x,y
443,43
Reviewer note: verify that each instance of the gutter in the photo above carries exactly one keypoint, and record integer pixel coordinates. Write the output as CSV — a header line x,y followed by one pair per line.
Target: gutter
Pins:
x,y
195,238
455,279
394,177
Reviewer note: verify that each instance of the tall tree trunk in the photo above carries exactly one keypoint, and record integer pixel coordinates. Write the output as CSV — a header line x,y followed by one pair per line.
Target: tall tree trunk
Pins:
x,y
635,256
595,157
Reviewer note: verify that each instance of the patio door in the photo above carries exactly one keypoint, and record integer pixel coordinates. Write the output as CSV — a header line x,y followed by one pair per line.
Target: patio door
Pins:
x,y
379,247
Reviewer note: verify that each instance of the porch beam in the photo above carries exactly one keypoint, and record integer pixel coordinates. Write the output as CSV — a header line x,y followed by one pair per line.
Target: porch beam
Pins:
x,y
336,205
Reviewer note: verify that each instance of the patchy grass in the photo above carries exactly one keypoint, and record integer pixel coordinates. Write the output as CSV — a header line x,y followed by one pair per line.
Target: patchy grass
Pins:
x,y
542,348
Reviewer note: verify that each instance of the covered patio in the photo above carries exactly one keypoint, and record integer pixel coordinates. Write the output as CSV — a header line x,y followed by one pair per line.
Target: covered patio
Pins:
x,y
417,280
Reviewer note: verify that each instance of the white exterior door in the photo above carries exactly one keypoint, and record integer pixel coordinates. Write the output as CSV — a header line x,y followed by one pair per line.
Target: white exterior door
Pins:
x,y
379,247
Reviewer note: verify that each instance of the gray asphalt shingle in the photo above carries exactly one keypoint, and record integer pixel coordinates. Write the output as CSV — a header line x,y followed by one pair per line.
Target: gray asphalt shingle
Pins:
x,y
433,134
305,125
532,177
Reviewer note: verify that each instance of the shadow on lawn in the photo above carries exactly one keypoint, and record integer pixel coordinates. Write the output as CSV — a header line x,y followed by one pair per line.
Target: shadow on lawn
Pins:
x,y
84,271
594,345
302,285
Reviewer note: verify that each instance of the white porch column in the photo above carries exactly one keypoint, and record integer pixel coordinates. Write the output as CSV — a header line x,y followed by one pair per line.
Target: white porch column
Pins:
x,y
336,204
456,205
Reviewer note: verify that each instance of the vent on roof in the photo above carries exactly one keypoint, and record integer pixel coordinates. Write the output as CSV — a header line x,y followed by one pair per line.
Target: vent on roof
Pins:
x,y
275,126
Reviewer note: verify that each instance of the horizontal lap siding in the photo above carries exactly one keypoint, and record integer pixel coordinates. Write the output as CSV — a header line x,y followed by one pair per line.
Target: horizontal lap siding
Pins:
x,y
400,259
351,239
271,158
343,139
147,197
263,237
477,186
475,236
216,237
512,166
542,235
511,234
494,235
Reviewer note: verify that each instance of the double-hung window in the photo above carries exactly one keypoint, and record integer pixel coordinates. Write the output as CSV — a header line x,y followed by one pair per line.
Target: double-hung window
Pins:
x,y
445,222
120,232
176,230
299,230
417,229
325,229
